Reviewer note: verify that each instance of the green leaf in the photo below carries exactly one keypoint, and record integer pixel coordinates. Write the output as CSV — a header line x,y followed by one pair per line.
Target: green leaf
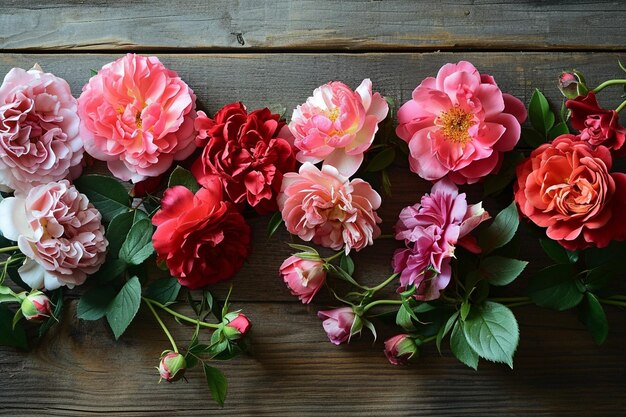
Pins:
x,y
465,309
93,305
555,287
303,248
539,113
461,348
181,176
56,298
592,315
347,264
138,244
492,332
105,193
382,160
217,384
501,271
275,222
444,330
533,138
495,183
558,130
164,290
307,255
93,72
118,230
9,335
124,307
557,252
403,318
110,270
500,231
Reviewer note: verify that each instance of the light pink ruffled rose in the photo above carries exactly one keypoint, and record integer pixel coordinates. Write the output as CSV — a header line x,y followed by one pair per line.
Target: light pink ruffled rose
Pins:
x,y
431,230
39,130
337,125
58,230
137,115
459,125
327,208
304,277
339,324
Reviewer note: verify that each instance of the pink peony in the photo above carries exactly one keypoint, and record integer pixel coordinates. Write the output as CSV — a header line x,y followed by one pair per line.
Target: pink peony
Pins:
x,y
39,130
339,324
431,229
304,277
459,125
337,125
324,206
58,230
138,116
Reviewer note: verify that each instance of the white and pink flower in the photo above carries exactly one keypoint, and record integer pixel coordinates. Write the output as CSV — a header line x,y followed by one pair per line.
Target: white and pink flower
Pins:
x,y
337,125
39,130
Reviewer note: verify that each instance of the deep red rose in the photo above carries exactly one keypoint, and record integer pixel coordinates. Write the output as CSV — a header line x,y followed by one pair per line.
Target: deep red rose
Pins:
x,y
202,239
567,187
597,126
249,153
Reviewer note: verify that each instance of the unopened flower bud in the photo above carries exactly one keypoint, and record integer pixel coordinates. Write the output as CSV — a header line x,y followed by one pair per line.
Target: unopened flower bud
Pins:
x,y
172,366
340,324
36,306
236,325
572,84
400,348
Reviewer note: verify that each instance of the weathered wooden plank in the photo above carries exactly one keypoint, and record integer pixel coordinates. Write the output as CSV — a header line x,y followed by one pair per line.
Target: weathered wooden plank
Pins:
x,y
312,24
293,370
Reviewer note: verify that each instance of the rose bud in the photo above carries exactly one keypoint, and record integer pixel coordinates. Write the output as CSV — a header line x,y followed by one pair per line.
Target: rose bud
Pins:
x,y
304,277
36,306
400,348
340,324
172,366
236,325
572,84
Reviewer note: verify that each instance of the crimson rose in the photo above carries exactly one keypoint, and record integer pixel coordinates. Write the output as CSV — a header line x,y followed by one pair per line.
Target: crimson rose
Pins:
x,y
249,153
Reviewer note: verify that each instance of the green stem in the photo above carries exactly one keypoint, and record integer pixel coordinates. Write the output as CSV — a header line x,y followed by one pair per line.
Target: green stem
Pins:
x,y
335,256
608,83
620,107
9,249
618,297
163,326
613,302
520,304
429,339
510,299
381,302
382,284
181,316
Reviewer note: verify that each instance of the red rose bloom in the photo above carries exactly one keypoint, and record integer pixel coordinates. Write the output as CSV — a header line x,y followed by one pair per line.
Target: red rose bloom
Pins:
x,y
249,153
567,187
597,126
202,239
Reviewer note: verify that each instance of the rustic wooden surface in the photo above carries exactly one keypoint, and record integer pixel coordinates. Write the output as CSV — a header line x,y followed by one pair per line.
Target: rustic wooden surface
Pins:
x,y
292,369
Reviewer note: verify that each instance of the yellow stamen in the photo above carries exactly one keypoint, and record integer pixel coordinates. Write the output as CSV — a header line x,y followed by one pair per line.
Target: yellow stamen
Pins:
x,y
333,114
455,124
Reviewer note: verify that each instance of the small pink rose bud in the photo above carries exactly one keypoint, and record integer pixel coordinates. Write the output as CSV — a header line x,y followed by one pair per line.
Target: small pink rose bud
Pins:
x,y
572,84
304,277
172,366
340,324
236,325
399,349
36,307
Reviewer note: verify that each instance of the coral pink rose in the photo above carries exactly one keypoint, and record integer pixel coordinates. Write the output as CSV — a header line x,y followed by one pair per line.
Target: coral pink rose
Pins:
x,y
202,239
247,152
339,324
58,230
431,230
39,130
337,125
596,125
459,125
304,277
138,116
567,187
327,208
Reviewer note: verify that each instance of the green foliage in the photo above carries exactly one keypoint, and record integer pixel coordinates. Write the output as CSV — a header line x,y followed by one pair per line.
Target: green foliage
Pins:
x,y
346,263
558,253
56,298
105,193
501,271
181,176
539,113
122,310
382,160
500,231
274,224
117,231
591,313
217,383
94,304
495,183
138,244
14,336
556,287
164,291
460,347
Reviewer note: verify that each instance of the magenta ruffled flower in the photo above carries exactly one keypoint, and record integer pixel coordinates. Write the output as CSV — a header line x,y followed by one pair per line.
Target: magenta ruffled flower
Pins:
x,y
459,125
39,130
137,115
337,125
58,230
431,229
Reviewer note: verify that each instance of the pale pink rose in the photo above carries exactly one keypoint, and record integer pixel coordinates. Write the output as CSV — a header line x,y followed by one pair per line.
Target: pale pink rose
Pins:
x,y
337,125
459,125
39,130
339,324
327,208
304,277
431,230
137,115
58,230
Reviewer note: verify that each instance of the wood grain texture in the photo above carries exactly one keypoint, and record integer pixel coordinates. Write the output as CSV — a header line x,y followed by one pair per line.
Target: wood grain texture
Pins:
x,y
311,24
293,370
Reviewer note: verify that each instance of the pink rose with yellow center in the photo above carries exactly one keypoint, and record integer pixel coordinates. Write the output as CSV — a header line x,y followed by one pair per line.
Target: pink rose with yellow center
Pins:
x,y
138,116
